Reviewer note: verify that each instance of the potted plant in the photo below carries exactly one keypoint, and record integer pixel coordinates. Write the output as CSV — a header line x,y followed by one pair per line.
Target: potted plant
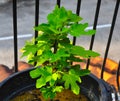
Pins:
x,y
53,54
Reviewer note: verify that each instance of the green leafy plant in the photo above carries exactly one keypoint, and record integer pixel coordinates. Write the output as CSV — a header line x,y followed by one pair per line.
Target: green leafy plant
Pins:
x,y
55,53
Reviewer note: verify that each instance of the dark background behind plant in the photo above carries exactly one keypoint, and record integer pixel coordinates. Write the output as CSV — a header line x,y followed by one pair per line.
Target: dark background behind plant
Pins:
x,y
26,23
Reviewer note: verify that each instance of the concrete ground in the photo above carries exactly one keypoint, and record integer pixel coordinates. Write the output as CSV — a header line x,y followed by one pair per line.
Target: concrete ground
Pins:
x,y
26,22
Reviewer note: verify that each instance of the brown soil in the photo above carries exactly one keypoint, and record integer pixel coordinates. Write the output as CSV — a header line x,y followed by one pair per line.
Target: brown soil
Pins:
x,y
35,95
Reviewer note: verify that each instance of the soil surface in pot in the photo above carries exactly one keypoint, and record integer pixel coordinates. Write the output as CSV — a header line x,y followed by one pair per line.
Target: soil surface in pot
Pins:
x,y
35,95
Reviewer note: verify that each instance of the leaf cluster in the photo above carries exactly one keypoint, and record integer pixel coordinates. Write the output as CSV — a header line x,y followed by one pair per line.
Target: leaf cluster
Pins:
x,y
55,53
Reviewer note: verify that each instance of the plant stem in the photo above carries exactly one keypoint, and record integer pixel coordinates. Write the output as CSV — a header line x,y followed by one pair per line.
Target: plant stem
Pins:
x,y
55,46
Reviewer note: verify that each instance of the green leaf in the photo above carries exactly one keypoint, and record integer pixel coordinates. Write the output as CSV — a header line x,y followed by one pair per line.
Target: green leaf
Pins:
x,y
28,49
45,56
80,29
59,15
80,72
73,17
44,28
58,89
80,51
71,81
60,53
65,42
77,50
83,72
35,73
92,53
48,92
54,78
52,82
41,82
43,37
64,30
74,59
44,74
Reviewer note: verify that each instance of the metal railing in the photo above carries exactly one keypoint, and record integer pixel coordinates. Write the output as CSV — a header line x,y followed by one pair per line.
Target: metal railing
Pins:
x,y
78,6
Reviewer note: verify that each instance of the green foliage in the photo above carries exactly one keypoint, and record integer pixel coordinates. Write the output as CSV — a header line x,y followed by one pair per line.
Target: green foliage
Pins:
x,y
70,79
55,53
75,28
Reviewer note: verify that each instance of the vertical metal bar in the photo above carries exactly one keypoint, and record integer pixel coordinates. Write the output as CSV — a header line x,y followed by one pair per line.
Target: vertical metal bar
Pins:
x,y
117,77
110,36
77,12
94,27
78,7
15,35
58,3
36,16
36,21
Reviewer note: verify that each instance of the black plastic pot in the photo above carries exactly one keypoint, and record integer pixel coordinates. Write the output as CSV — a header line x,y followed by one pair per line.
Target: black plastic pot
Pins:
x,y
95,89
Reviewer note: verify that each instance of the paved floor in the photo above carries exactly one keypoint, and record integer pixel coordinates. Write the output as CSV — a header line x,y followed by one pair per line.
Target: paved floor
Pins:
x,y
26,23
